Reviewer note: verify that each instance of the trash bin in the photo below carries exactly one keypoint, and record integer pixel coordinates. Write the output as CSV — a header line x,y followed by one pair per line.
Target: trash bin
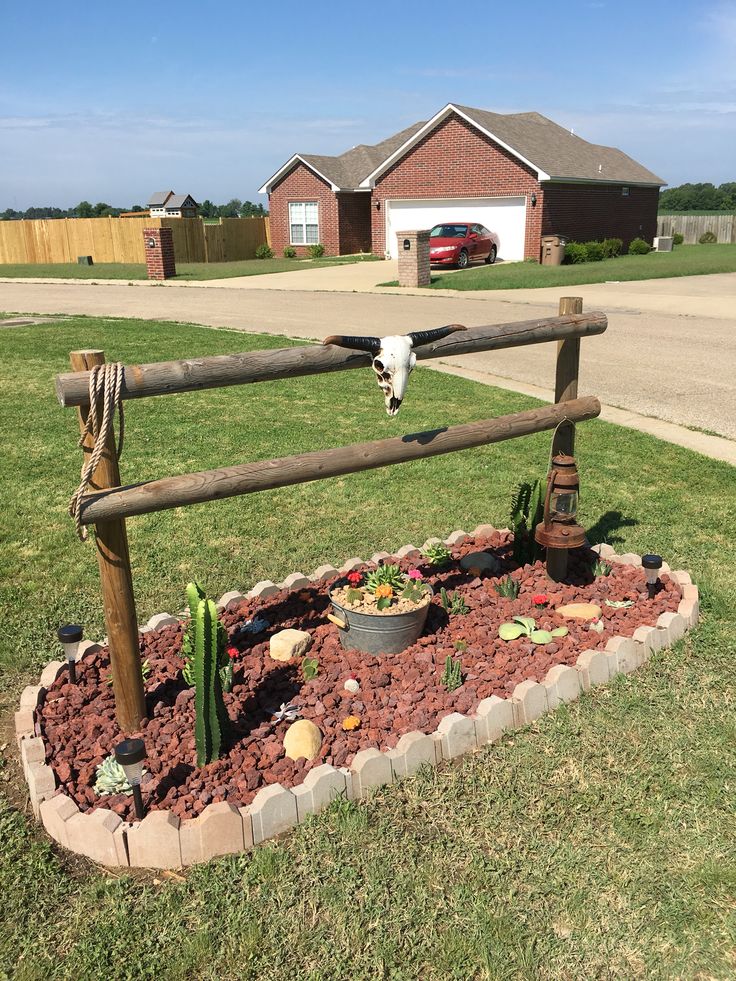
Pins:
x,y
553,249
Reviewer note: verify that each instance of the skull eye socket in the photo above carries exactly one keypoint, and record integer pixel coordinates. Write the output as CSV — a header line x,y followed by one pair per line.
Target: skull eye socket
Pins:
x,y
378,366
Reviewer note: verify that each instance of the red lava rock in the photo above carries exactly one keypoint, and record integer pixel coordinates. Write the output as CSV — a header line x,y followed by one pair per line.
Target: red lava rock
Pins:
x,y
398,693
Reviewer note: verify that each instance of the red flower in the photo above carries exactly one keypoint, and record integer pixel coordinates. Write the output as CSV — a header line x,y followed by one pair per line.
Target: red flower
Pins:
x,y
540,599
355,578
232,652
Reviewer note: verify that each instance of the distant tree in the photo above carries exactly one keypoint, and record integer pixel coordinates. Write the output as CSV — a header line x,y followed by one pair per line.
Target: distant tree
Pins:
x,y
137,207
207,209
699,197
84,210
231,209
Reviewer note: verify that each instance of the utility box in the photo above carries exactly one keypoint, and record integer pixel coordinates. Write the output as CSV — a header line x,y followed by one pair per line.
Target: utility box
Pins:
x,y
663,243
84,260
553,249
413,258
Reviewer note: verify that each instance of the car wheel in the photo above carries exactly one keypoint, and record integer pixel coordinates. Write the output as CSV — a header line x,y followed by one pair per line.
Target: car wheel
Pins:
x,y
491,258
462,259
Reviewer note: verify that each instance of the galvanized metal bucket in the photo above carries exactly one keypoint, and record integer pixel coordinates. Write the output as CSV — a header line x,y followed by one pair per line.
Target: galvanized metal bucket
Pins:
x,y
376,633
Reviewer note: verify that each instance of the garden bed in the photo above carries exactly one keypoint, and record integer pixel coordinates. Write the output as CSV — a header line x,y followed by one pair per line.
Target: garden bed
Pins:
x,y
398,694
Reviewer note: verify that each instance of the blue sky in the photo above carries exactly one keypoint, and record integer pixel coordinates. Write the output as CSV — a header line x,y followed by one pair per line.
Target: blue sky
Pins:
x,y
109,102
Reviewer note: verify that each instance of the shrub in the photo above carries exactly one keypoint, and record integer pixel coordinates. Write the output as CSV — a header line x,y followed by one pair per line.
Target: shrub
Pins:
x,y
264,252
639,247
595,251
678,238
575,252
316,251
289,252
612,247
708,238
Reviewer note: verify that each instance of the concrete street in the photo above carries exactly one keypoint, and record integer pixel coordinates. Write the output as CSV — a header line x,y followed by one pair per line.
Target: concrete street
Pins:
x,y
669,352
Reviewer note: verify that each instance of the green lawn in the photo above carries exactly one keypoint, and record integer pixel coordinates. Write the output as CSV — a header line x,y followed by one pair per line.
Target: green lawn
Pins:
x,y
185,270
684,260
598,843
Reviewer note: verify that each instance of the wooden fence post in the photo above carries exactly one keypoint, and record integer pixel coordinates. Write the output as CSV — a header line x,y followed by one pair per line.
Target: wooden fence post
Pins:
x,y
566,376
115,578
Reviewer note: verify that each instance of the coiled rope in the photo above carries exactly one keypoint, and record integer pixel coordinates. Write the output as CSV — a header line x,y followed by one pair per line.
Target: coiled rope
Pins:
x,y
105,383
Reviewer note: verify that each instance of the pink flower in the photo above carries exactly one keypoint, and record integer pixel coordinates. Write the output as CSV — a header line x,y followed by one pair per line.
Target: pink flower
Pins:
x,y
414,574
232,652
355,578
540,599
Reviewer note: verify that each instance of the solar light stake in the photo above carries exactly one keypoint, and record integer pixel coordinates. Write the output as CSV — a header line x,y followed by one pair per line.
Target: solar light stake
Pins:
x,y
130,754
69,636
651,565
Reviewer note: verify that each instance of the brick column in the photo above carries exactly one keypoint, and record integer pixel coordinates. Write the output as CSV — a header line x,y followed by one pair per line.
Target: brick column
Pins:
x,y
413,258
159,244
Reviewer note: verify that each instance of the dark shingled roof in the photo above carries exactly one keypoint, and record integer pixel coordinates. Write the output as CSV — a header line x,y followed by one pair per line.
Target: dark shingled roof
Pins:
x,y
549,147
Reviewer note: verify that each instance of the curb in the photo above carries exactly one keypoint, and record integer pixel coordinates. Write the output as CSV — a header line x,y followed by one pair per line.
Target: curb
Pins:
x,y
162,841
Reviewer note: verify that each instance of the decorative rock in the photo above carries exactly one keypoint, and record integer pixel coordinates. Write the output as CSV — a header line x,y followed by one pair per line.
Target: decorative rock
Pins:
x,y
626,654
321,786
55,814
457,538
530,702
287,644
263,589
579,611
478,563
408,552
324,572
352,686
228,599
410,752
160,620
370,768
351,564
303,740
297,580
51,672
593,668
99,836
493,717
218,830
562,684
673,625
457,733
272,811
604,550
154,842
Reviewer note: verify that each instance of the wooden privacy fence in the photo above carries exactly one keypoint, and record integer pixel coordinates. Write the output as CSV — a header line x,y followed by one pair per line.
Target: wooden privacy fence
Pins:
x,y
56,240
693,226
110,504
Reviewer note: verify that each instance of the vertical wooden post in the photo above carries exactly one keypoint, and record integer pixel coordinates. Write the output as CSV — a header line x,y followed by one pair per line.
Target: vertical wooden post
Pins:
x,y
566,376
115,578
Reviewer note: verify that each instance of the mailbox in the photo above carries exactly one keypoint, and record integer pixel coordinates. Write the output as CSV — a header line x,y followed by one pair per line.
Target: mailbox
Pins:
x,y
407,245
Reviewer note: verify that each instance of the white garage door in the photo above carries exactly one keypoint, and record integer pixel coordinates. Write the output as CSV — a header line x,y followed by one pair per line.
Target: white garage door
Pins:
x,y
504,216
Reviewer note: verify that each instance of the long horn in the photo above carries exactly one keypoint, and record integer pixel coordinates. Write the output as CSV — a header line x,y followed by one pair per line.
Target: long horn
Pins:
x,y
371,344
420,337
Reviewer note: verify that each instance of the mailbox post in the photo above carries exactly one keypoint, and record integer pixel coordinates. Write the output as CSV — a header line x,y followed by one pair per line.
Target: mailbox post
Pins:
x,y
159,246
413,258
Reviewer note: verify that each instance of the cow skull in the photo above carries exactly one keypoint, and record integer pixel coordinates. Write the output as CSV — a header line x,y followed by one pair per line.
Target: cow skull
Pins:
x,y
393,358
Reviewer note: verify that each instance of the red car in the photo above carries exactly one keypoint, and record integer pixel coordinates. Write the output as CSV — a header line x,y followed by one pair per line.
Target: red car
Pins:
x,y
458,243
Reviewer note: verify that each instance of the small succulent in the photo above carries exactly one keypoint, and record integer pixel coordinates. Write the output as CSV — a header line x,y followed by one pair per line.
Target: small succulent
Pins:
x,y
460,645
619,604
453,604
601,568
385,575
310,668
452,677
508,587
287,712
111,778
255,626
437,554
526,626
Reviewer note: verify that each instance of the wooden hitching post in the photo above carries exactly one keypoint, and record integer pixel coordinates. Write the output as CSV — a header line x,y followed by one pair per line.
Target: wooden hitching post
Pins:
x,y
115,578
566,376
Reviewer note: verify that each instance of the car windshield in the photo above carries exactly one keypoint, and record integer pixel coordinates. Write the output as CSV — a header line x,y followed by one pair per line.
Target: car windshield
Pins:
x,y
449,231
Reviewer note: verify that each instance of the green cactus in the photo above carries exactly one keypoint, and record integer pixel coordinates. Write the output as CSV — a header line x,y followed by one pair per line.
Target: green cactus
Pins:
x,y
452,677
195,594
508,587
527,510
453,603
211,722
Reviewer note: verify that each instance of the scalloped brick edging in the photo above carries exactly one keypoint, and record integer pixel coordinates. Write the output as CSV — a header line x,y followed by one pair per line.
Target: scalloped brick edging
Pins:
x,y
162,841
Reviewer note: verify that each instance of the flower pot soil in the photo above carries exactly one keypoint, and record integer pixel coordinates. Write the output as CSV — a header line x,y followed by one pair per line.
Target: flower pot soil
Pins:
x,y
398,693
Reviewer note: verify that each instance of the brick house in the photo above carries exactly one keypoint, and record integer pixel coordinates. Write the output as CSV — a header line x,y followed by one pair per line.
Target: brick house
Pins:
x,y
521,175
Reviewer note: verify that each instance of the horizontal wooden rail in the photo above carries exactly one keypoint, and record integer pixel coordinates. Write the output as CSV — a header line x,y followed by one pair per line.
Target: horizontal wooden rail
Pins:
x,y
248,478
197,374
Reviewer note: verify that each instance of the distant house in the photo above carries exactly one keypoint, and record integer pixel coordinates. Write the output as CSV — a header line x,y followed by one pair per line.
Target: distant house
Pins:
x,y
521,175
166,204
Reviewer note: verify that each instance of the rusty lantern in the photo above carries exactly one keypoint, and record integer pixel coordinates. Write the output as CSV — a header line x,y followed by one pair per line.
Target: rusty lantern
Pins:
x,y
559,529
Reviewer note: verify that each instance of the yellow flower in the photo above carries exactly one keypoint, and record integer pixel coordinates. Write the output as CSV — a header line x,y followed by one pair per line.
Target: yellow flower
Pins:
x,y
384,592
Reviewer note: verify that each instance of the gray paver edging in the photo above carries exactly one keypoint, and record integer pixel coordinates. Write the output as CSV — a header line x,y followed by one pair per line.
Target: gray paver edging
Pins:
x,y
162,841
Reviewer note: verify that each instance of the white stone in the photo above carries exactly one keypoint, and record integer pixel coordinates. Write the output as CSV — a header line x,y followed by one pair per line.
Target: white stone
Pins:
x,y
378,557
55,812
286,644
352,686
604,550
30,696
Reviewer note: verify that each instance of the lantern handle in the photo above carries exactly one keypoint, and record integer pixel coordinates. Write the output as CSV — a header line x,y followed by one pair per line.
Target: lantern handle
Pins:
x,y
547,496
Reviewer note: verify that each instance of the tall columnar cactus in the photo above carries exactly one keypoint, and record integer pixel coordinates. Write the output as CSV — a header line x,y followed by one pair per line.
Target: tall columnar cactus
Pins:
x,y
211,723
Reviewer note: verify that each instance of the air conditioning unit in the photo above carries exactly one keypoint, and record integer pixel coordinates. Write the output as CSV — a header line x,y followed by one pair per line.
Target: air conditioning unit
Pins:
x,y
663,243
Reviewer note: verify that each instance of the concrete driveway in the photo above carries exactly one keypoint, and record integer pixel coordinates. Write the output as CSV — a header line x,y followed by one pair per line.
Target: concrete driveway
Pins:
x,y
669,352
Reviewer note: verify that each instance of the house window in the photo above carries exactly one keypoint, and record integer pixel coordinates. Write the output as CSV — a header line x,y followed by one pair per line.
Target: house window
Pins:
x,y
625,192
303,222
